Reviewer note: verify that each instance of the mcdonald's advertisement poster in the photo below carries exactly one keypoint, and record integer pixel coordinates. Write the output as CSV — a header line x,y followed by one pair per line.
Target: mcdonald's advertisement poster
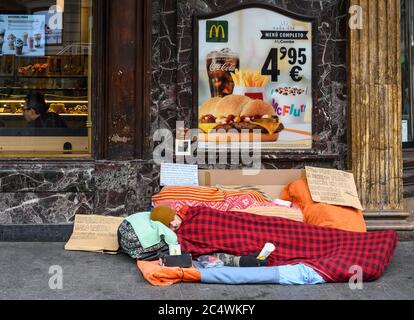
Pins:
x,y
255,80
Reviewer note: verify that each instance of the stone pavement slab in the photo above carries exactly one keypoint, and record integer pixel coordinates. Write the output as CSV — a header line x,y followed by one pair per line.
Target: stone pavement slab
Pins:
x,y
24,274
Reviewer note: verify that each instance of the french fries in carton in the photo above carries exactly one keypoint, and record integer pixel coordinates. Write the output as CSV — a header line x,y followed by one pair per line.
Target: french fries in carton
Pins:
x,y
250,83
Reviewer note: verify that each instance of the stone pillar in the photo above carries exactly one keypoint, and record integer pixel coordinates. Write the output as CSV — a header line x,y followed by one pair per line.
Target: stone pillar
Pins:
x,y
376,111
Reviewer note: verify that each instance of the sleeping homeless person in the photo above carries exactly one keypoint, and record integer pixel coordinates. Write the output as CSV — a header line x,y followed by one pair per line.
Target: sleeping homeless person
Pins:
x,y
142,226
201,231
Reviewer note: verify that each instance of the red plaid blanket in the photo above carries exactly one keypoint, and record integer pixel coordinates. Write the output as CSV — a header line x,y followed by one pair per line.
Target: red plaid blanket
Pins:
x,y
330,252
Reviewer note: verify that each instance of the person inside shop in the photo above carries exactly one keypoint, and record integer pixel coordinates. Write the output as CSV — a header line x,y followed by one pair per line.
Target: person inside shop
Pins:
x,y
36,113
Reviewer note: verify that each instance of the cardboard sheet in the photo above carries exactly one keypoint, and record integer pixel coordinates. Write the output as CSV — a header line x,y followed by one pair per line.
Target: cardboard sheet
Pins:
x,y
95,233
333,187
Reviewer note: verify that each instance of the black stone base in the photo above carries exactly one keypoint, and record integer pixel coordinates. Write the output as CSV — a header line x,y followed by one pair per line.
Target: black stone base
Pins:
x,y
62,233
36,233
405,236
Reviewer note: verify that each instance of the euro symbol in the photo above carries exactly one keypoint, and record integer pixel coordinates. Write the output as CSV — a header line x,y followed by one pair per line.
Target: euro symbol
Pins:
x,y
216,29
294,74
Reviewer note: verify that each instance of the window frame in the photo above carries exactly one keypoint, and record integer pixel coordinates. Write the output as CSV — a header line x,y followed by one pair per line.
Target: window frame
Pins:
x,y
101,110
408,31
60,155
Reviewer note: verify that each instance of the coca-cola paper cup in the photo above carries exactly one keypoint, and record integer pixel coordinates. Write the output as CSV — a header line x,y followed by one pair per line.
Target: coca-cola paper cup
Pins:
x,y
220,65
290,104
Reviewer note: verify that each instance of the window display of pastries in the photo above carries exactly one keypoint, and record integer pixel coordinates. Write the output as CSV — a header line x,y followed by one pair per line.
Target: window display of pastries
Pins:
x,y
79,109
12,109
58,108
38,68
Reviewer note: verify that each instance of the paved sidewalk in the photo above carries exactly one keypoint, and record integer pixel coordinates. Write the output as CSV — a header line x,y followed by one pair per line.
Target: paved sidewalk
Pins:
x,y
24,274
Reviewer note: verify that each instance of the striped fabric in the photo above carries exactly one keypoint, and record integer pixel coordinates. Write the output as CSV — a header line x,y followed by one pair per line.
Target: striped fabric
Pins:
x,y
206,194
178,205
245,188
257,196
275,211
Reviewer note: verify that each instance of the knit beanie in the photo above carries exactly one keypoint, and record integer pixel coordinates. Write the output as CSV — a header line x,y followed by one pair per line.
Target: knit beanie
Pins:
x,y
163,214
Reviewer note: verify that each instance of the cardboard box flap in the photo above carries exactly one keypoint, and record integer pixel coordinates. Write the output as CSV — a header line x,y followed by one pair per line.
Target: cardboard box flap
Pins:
x,y
270,181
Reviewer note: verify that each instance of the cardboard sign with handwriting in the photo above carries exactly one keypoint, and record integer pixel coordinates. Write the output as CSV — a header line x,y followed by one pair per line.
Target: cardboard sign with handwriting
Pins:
x,y
333,187
182,175
95,233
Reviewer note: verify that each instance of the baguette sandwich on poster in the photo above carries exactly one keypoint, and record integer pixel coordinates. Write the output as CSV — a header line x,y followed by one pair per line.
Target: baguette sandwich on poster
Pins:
x,y
239,117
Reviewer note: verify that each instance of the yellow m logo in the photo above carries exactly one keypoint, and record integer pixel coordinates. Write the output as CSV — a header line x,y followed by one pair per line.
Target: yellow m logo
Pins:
x,y
216,29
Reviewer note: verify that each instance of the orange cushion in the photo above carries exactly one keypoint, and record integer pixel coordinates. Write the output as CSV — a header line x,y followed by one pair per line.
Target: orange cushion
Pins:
x,y
298,192
321,214
343,218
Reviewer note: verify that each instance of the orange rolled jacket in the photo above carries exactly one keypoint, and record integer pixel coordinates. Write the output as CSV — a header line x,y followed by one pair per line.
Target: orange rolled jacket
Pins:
x,y
164,276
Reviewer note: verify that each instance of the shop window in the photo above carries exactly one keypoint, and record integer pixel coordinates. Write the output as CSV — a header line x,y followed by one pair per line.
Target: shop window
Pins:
x,y
407,61
45,52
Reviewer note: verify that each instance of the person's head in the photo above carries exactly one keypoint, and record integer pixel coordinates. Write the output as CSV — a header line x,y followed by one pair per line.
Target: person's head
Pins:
x,y
35,106
166,216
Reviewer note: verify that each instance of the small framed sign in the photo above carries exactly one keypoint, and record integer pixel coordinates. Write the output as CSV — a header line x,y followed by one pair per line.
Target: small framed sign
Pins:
x,y
183,147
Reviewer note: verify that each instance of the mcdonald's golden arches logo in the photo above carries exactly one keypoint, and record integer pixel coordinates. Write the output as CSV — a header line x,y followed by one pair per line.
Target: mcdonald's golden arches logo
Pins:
x,y
217,31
